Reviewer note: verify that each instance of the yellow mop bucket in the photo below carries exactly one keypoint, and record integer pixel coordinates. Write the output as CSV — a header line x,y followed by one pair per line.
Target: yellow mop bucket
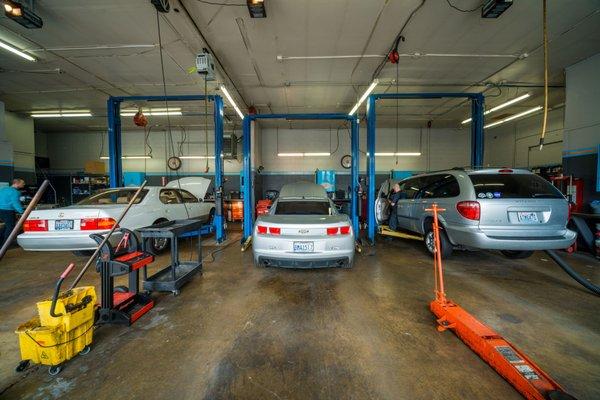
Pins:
x,y
63,328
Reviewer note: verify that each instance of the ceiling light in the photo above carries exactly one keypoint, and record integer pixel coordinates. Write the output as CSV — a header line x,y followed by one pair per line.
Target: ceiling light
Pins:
x,y
522,114
397,154
197,157
230,99
22,15
16,51
501,106
129,157
257,8
364,96
303,154
61,114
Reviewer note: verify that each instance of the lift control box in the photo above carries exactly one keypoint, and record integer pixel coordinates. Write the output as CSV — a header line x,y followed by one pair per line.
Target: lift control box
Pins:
x,y
205,66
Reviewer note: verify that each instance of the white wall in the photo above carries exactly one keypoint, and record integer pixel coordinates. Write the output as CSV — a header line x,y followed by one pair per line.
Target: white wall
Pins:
x,y
449,148
70,150
515,144
582,115
19,131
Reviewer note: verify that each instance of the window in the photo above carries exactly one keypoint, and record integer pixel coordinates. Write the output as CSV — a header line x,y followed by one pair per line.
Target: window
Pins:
x,y
411,187
440,186
303,208
113,196
169,196
187,196
513,186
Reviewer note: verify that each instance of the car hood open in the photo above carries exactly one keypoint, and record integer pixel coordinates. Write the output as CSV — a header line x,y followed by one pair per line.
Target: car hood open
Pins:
x,y
196,185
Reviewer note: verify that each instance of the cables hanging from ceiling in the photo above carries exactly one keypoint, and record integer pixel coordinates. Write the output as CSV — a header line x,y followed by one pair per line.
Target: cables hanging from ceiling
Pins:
x,y
463,10
545,118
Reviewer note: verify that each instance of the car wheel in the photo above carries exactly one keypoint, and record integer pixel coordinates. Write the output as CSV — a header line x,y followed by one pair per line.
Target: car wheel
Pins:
x,y
444,243
517,254
157,245
83,253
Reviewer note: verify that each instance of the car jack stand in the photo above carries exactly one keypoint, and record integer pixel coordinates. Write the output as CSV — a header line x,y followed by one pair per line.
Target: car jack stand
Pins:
x,y
122,305
508,361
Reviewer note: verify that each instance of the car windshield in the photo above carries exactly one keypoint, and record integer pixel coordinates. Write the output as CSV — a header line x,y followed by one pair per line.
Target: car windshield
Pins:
x,y
297,207
513,186
113,196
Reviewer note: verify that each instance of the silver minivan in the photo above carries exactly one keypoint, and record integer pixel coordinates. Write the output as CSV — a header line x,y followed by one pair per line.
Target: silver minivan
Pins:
x,y
511,210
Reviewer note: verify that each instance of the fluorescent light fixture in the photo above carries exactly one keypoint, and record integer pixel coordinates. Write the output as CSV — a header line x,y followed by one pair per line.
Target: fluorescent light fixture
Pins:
x,y
230,99
129,157
519,115
152,112
16,51
364,96
501,106
303,154
61,114
397,154
197,157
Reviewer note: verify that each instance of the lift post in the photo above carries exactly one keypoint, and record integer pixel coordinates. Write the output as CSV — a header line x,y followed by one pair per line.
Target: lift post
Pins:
x,y
508,361
477,110
115,165
248,193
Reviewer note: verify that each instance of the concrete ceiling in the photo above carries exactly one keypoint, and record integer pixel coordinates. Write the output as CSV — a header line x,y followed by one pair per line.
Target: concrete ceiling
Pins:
x,y
89,50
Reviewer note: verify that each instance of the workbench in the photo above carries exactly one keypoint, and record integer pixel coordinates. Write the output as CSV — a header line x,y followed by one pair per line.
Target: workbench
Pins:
x,y
172,277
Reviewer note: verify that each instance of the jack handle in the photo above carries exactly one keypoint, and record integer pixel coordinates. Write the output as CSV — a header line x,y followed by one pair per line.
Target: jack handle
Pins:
x,y
65,273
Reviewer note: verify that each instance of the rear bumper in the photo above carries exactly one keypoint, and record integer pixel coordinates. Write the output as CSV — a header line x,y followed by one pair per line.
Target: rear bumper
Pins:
x,y
277,252
473,237
63,241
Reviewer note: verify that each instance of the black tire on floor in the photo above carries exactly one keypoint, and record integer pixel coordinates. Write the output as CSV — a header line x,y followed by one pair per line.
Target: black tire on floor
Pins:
x,y
82,253
517,254
444,242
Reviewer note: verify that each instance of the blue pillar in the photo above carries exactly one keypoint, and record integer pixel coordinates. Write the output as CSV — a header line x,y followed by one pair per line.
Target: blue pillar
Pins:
x,y
115,166
477,107
371,224
219,221
354,201
247,177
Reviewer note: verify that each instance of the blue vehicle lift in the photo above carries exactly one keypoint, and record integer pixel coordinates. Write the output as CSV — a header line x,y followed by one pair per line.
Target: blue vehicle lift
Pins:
x,y
247,164
477,109
115,164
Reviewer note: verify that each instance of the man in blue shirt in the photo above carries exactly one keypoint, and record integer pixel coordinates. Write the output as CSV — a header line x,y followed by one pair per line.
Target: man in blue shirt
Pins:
x,y
9,203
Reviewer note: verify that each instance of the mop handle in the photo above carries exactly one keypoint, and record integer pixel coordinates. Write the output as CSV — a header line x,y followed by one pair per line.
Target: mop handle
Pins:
x,y
28,210
112,230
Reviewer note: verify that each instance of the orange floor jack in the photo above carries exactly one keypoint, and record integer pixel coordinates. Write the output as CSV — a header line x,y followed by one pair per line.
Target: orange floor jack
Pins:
x,y
514,366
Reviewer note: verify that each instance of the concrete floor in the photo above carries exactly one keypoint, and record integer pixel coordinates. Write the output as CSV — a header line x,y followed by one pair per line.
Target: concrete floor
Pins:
x,y
238,332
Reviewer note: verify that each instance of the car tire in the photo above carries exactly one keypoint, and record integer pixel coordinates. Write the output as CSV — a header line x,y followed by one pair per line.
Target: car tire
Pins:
x,y
444,242
82,253
158,245
517,254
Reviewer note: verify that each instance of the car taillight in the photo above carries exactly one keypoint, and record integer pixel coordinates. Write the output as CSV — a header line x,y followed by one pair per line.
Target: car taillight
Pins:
x,y
94,224
469,210
274,231
505,171
332,231
35,225
344,230
262,230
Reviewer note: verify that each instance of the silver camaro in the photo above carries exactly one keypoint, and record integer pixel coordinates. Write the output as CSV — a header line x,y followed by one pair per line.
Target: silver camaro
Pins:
x,y
303,230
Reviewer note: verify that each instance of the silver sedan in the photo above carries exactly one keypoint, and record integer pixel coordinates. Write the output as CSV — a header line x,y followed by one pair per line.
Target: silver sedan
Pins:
x,y
303,230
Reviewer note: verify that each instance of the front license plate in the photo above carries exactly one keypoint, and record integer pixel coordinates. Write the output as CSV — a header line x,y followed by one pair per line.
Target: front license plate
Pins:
x,y
527,217
304,247
63,224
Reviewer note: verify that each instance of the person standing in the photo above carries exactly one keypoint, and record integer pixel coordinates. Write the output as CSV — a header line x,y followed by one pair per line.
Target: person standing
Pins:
x,y
393,199
9,204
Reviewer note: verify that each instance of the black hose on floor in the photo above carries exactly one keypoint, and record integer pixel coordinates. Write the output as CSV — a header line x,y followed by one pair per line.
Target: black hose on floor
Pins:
x,y
580,279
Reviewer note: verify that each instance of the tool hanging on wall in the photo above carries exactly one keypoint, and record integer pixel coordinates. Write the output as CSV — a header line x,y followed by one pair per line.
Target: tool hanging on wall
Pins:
x,y
508,361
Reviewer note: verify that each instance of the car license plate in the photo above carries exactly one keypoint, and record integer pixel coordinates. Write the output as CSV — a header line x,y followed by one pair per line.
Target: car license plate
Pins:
x,y
527,217
304,247
63,224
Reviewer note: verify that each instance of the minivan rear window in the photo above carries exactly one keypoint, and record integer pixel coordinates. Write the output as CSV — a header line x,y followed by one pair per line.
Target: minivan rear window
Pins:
x,y
302,208
513,186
